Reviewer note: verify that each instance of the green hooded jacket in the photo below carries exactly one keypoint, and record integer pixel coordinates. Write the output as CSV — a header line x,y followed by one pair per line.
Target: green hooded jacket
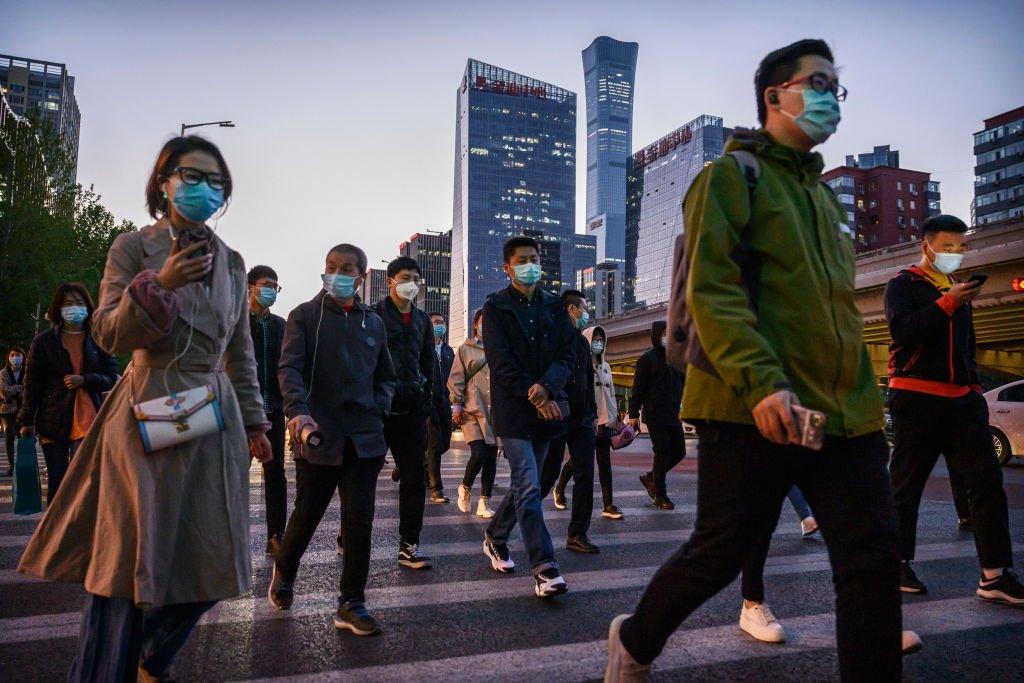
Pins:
x,y
806,332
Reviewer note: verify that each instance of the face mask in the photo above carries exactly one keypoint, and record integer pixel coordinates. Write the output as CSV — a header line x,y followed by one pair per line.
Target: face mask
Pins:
x,y
267,297
582,321
17,361
820,116
946,263
407,290
527,273
198,202
439,330
339,286
597,347
74,314
664,341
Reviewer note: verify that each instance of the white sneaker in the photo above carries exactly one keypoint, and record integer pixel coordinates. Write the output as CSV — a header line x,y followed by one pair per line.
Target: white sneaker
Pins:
x,y
483,508
760,623
808,527
911,643
621,667
465,503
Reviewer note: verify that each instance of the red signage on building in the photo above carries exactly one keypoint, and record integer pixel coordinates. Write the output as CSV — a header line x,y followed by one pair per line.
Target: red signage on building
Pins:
x,y
509,88
658,149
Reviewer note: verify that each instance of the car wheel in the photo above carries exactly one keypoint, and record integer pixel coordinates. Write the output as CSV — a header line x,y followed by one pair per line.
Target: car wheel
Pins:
x,y
1002,445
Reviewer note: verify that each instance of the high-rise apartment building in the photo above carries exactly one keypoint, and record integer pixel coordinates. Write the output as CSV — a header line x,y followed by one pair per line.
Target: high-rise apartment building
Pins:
x,y
602,286
44,88
999,169
515,171
433,253
374,286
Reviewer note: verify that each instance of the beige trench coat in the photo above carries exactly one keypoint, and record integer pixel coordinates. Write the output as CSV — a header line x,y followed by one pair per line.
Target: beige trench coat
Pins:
x,y
170,526
475,398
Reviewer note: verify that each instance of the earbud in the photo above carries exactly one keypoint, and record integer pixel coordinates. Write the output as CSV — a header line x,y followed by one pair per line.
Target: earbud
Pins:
x,y
773,98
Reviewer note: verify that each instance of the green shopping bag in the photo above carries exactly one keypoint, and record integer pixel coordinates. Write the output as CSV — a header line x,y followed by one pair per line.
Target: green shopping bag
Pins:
x,y
28,498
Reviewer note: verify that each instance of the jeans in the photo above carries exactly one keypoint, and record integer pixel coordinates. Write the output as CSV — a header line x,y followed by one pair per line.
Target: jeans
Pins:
x,y
742,481
580,439
57,455
116,636
752,581
483,458
669,450
439,440
522,503
924,427
407,438
603,453
275,485
356,480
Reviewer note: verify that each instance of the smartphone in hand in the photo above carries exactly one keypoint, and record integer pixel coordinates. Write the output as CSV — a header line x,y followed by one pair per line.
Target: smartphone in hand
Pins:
x,y
979,278
811,426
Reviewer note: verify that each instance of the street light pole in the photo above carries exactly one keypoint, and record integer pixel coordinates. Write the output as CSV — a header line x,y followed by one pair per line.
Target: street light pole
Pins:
x,y
222,124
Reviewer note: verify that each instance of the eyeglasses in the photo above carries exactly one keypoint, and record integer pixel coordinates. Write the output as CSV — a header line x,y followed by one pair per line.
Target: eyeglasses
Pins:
x,y
272,285
193,176
820,83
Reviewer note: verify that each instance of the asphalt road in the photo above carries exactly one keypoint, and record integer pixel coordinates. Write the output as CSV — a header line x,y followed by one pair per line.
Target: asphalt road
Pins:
x,y
461,621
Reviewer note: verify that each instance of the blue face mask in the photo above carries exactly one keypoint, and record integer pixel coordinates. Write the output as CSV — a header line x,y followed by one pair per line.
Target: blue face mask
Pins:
x,y
267,297
527,273
820,116
339,286
197,202
74,314
439,330
582,321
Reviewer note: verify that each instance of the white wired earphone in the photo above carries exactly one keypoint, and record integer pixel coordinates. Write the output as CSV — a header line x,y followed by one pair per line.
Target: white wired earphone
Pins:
x,y
316,344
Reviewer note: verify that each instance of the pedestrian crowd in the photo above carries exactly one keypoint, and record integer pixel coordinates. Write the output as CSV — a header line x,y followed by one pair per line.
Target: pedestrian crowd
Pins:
x,y
762,352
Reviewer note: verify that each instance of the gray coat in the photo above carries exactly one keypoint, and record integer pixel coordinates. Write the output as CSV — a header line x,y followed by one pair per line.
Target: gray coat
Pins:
x,y
469,386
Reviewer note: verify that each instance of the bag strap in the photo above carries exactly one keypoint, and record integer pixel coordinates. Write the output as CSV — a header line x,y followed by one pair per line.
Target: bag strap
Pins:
x,y
749,263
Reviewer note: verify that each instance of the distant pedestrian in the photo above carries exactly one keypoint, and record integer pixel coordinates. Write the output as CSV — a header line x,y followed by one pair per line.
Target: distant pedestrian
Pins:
x,y
439,424
12,387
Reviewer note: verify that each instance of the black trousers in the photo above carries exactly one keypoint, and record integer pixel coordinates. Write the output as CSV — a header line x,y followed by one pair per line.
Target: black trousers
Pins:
x,y
57,455
669,450
439,440
926,426
315,485
483,460
406,437
10,435
603,453
580,438
742,481
275,485
961,499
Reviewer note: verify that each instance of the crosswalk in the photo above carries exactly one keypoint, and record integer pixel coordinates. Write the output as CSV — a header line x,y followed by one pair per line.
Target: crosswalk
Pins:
x,y
464,622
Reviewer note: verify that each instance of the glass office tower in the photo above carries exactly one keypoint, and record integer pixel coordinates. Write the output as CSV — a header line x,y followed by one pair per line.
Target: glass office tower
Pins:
x,y
515,173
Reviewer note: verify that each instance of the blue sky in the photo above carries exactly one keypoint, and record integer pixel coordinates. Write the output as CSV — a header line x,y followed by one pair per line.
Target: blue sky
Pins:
x,y
345,112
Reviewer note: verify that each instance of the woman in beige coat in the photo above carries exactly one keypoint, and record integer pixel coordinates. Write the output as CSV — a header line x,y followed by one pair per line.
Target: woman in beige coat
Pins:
x,y
470,388
157,538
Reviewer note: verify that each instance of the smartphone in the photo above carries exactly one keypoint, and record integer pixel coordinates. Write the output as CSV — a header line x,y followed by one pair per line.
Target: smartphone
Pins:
x,y
187,238
978,277
810,424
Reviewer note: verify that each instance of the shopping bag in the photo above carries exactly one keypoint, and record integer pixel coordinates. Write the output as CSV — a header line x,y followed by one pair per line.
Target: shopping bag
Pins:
x,y
28,498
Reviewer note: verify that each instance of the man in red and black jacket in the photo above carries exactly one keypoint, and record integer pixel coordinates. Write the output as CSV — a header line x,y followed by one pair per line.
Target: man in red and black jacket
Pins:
x,y
937,408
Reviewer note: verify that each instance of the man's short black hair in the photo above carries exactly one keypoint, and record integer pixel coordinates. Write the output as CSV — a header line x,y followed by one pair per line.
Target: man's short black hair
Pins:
x,y
573,294
257,273
509,249
403,263
361,262
943,223
780,65
437,313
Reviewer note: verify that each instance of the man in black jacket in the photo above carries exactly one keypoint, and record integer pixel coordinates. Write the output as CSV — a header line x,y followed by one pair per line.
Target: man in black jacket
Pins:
x,y
267,333
411,343
936,406
337,382
579,433
439,426
658,392
530,350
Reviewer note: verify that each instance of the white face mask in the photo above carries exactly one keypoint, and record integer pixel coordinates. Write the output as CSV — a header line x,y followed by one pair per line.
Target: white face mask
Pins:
x,y
946,262
407,290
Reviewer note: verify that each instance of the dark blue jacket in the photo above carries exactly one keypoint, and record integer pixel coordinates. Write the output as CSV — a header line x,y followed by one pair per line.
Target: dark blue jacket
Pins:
x,y
442,402
509,352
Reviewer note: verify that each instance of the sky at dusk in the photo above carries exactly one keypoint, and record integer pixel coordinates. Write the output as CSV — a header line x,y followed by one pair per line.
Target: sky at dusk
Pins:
x,y
345,112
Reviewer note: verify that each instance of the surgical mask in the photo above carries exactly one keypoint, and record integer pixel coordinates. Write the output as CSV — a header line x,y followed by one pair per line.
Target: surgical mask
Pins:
x,y
339,286
407,290
439,330
266,297
820,116
17,361
197,202
582,321
527,273
74,314
597,347
945,262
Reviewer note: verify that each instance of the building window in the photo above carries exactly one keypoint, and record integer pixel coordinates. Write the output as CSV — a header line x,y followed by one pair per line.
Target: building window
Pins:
x,y
913,222
913,205
899,186
899,204
860,204
912,188
873,203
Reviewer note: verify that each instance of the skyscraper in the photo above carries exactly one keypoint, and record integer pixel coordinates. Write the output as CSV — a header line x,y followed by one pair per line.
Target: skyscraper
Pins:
x,y
433,253
999,169
374,286
609,70
515,171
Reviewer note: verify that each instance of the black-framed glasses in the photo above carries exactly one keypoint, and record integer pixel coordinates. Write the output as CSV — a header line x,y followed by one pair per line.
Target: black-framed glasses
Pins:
x,y
271,285
821,83
193,176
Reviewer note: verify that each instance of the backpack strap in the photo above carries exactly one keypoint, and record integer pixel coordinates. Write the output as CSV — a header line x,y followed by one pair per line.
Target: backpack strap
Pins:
x,y
748,260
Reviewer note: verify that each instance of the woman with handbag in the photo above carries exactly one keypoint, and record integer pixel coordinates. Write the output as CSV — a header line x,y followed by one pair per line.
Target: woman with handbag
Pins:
x,y
12,386
153,517
65,376
469,385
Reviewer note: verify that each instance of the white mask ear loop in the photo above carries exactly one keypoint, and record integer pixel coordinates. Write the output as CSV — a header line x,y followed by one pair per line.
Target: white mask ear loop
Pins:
x,y
316,346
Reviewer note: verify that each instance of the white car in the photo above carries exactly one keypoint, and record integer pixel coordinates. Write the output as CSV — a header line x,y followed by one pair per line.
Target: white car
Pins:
x,y
1006,420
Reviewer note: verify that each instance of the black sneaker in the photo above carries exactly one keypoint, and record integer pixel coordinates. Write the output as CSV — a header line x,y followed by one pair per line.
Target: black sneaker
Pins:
x,y
497,553
281,591
395,474
273,545
581,544
437,497
663,503
408,556
963,524
559,498
647,479
352,616
549,584
1005,588
909,583
612,512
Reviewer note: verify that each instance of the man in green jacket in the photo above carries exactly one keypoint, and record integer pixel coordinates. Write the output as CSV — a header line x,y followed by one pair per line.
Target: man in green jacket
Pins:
x,y
778,327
